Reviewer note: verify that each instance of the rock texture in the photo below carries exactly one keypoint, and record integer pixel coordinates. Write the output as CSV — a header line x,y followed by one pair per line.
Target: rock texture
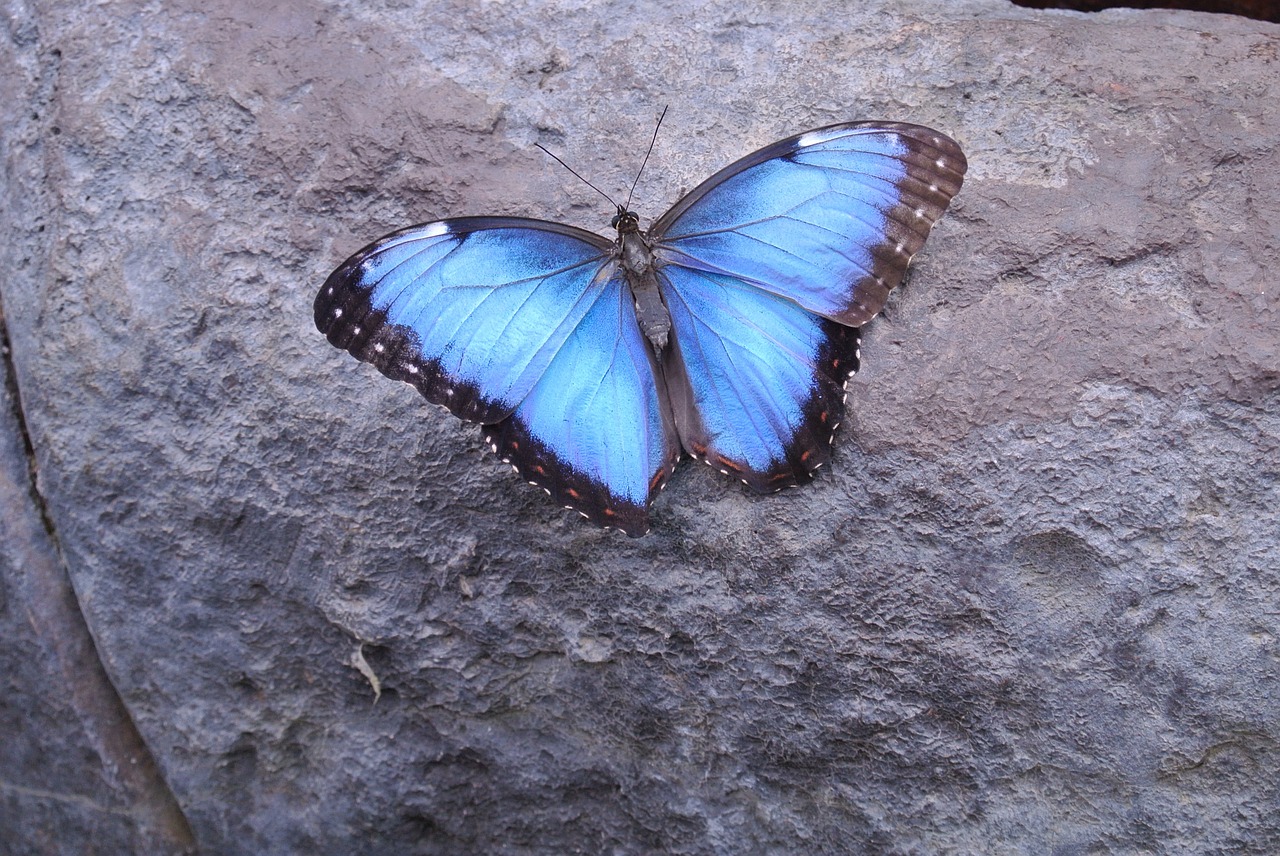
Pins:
x,y
1032,608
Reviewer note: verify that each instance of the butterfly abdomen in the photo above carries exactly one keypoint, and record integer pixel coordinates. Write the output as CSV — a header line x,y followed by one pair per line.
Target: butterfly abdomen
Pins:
x,y
638,266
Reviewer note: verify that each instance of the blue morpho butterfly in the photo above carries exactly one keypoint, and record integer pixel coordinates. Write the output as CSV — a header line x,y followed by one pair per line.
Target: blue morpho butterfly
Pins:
x,y
727,331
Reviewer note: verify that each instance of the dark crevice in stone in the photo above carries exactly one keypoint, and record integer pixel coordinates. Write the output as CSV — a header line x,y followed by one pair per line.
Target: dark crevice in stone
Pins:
x,y
56,611
11,385
1262,10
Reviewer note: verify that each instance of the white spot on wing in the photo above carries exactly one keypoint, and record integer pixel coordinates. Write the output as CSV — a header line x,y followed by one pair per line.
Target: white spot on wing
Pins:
x,y
337,313
812,139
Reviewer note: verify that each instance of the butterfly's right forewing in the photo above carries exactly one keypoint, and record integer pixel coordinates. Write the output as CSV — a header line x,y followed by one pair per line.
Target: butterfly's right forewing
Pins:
x,y
768,269
829,218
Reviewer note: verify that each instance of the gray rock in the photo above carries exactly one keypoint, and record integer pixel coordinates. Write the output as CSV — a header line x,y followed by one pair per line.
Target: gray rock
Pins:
x,y
77,777
1030,608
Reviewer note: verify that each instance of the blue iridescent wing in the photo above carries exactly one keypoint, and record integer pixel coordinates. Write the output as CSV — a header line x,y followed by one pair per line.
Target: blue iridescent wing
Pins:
x,y
756,381
829,218
769,266
521,325
596,431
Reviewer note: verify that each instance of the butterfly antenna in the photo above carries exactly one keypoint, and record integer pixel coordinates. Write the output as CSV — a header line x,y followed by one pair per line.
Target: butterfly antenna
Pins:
x,y
576,173
646,156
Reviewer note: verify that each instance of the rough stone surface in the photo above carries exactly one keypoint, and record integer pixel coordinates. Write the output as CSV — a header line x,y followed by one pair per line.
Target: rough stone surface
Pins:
x,y
75,775
1032,608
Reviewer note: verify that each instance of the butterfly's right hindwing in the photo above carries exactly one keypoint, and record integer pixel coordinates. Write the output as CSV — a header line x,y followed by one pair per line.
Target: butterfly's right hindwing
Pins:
x,y
756,381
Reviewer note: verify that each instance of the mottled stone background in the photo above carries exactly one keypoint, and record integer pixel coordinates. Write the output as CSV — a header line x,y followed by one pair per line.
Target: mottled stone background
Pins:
x,y
1031,608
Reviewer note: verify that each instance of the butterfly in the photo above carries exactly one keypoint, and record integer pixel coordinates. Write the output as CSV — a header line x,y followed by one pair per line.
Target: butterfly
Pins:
x,y
728,330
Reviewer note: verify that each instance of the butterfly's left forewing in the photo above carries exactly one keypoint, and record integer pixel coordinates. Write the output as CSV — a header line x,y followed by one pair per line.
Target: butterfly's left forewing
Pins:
x,y
526,327
470,311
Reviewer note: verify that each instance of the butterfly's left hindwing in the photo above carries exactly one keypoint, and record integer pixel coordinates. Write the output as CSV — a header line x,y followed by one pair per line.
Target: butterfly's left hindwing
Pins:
x,y
528,328
596,432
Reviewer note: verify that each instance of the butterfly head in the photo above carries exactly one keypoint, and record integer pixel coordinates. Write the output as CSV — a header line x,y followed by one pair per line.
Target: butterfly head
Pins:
x,y
625,221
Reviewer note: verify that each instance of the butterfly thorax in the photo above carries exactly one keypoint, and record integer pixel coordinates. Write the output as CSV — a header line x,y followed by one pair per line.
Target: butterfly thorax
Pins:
x,y
640,268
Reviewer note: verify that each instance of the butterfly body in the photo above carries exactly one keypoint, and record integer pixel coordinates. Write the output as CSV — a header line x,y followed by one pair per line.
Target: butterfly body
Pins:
x,y
727,331
639,266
